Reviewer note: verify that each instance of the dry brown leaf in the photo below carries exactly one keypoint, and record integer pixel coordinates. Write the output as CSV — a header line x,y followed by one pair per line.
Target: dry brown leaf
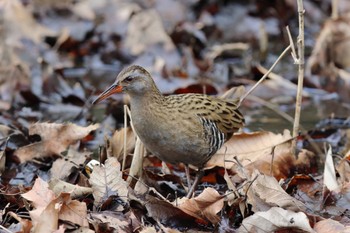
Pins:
x,y
275,219
41,197
20,23
62,168
62,208
55,138
256,151
119,221
117,142
343,168
59,186
72,210
61,229
330,226
248,147
48,208
204,206
168,214
266,192
106,181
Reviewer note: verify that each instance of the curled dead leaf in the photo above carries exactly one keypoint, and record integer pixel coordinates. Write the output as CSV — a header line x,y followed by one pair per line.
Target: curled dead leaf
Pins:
x,y
275,219
55,138
204,206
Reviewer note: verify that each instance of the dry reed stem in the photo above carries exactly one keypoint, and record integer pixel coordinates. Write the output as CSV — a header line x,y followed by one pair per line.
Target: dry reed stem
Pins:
x,y
301,67
335,11
125,135
139,153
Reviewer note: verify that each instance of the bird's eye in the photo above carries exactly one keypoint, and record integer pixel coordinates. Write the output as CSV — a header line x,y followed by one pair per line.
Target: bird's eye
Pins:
x,y
128,79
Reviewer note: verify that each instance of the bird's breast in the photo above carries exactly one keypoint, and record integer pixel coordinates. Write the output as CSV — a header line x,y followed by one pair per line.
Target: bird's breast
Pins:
x,y
172,137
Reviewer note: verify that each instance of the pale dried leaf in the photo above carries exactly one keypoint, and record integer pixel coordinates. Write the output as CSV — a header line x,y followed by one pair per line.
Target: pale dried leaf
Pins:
x,y
62,168
59,186
20,23
141,36
119,221
137,161
329,178
248,148
117,142
249,151
275,219
55,138
47,221
205,206
106,181
266,189
343,168
83,230
149,230
72,210
61,229
330,226
41,197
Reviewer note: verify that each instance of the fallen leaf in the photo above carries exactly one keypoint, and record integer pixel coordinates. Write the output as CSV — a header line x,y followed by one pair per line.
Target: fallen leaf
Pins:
x,y
343,168
106,181
117,142
330,226
41,197
72,210
119,221
329,178
59,186
168,214
248,148
266,192
256,151
275,219
55,138
204,206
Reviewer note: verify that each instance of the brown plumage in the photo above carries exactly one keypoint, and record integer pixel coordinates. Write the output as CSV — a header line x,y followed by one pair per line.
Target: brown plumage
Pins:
x,y
186,128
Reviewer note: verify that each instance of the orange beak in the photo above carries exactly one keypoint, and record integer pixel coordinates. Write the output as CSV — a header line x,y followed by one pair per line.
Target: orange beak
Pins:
x,y
114,88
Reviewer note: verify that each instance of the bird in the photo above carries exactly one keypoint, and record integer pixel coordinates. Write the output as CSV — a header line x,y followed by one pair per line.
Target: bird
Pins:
x,y
180,128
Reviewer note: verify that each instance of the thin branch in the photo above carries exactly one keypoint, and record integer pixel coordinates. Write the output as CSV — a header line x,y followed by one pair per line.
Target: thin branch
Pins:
x,y
301,64
294,53
125,135
335,11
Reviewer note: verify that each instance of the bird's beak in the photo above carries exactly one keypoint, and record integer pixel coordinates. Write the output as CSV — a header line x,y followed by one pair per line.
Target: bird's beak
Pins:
x,y
114,88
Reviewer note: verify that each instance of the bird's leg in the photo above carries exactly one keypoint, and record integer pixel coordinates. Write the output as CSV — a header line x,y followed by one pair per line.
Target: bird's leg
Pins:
x,y
199,176
188,177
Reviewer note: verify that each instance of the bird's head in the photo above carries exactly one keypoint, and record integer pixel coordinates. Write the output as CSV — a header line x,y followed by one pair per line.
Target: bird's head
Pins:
x,y
133,80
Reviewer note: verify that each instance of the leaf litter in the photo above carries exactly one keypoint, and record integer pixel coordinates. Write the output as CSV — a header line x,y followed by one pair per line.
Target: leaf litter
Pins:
x,y
253,184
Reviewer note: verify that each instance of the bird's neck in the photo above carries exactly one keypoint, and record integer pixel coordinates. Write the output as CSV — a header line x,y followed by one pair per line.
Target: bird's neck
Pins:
x,y
148,99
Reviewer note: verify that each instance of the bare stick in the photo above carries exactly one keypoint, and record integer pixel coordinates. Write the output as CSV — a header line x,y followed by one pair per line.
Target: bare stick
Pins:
x,y
294,53
335,13
301,64
125,135
265,75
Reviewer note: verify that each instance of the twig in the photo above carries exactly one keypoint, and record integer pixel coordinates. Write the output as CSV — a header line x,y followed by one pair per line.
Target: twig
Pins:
x,y
300,62
125,135
294,53
265,75
335,12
